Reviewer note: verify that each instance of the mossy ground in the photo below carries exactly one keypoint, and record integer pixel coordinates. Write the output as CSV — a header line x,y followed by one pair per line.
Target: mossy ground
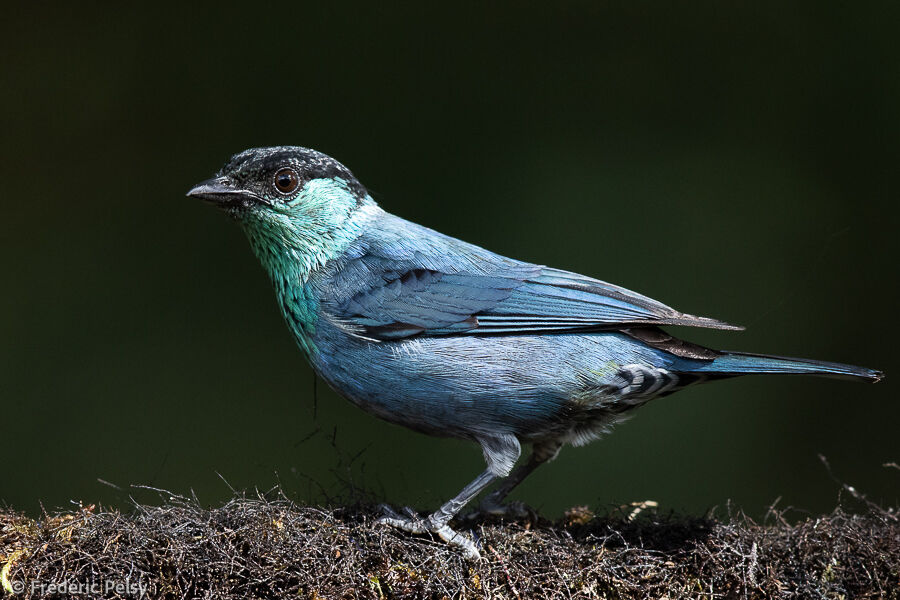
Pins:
x,y
266,546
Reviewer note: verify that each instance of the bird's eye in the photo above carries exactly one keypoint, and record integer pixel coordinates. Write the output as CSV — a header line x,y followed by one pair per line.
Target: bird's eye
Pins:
x,y
286,180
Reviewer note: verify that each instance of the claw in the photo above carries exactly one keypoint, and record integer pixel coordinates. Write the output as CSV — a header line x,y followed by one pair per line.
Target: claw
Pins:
x,y
411,523
416,525
458,540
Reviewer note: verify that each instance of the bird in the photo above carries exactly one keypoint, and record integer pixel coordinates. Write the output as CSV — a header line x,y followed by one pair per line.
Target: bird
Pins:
x,y
449,339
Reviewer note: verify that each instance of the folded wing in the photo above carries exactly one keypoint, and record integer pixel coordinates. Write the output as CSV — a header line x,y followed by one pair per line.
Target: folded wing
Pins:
x,y
414,298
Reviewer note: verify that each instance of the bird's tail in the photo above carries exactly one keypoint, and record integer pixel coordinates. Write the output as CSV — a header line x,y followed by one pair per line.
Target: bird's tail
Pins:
x,y
740,363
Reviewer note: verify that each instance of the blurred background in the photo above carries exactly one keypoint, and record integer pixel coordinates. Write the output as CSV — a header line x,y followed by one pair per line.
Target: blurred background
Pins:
x,y
737,161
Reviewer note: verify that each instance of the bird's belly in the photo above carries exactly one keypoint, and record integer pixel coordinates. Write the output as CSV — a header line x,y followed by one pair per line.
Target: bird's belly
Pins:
x,y
531,386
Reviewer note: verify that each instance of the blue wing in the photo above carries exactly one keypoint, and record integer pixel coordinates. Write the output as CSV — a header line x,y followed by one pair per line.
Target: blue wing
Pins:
x,y
404,280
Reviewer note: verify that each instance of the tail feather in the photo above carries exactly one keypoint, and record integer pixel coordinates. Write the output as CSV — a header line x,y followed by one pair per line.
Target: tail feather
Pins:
x,y
740,363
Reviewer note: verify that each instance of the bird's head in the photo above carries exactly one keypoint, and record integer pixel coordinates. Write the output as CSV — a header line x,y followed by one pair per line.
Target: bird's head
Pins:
x,y
262,183
290,201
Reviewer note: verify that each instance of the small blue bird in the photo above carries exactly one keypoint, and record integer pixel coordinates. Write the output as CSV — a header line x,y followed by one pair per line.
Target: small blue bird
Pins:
x,y
450,339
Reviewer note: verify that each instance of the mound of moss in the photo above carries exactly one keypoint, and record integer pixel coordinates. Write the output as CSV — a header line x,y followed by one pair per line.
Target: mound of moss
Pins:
x,y
262,547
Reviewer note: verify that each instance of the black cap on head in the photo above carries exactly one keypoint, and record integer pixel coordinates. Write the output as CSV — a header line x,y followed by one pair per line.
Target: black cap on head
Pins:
x,y
309,164
265,175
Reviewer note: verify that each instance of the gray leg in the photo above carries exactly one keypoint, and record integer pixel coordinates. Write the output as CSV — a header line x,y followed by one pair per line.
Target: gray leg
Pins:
x,y
501,453
493,502
443,515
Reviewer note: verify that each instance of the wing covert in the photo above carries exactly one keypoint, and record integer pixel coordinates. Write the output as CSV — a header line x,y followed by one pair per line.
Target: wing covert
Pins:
x,y
416,282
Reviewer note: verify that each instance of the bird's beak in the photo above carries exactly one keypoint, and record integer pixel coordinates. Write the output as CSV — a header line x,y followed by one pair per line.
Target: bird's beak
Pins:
x,y
220,191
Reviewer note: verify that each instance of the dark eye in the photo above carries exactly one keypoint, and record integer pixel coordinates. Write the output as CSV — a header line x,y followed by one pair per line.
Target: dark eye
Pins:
x,y
286,180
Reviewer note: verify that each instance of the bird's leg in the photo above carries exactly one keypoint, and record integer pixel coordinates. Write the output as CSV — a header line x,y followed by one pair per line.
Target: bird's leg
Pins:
x,y
492,504
501,451
437,522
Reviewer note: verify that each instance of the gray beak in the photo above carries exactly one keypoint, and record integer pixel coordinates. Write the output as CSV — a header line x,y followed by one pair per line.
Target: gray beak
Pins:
x,y
220,191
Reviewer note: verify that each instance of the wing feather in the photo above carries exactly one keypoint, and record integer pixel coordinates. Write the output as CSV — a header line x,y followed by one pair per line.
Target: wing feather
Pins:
x,y
413,281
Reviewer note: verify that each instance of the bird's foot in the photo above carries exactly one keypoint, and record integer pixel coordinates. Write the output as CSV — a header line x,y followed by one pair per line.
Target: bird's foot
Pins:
x,y
413,523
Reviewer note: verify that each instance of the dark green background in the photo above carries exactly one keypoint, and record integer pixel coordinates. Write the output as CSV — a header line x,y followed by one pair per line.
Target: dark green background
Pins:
x,y
736,160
